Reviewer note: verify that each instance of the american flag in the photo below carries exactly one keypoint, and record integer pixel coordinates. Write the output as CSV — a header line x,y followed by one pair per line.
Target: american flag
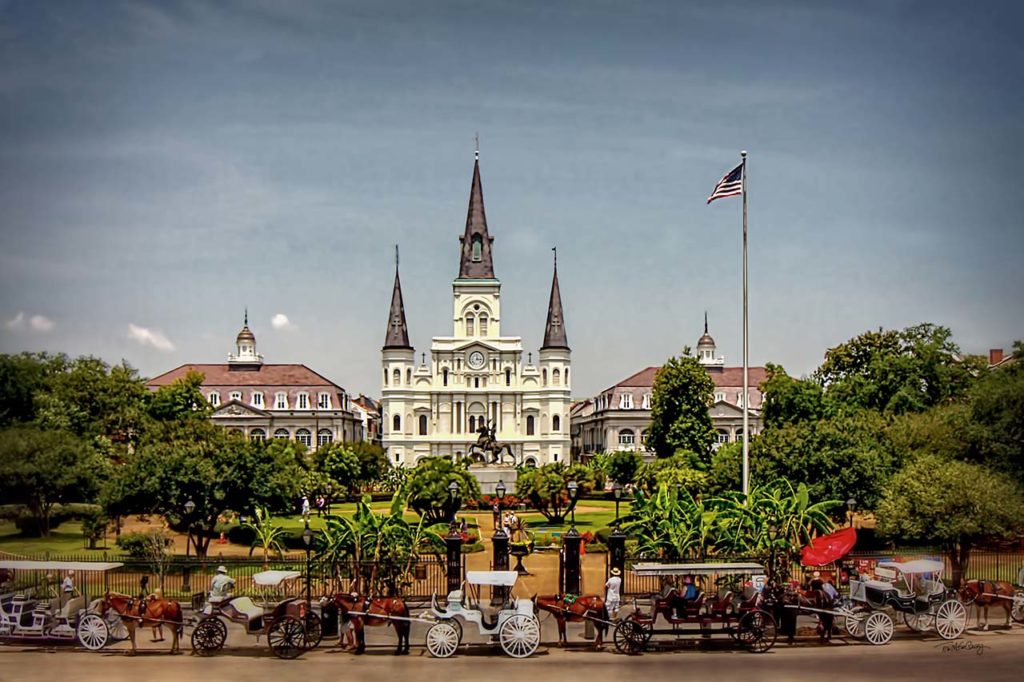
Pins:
x,y
729,186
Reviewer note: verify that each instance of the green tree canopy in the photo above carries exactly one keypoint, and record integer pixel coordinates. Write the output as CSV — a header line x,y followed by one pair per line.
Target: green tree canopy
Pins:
x,y
788,400
427,488
679,408
547,487
677,471
180,400
622,466
42,468
952,504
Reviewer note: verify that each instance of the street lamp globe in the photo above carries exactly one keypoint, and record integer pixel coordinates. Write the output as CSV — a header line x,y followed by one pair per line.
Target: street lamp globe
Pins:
x,y
617,490
499,489
190,507
850,504
307,537
573,489
453,490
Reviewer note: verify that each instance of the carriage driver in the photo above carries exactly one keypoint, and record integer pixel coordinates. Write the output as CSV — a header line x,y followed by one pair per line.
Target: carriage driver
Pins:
x,y
220,586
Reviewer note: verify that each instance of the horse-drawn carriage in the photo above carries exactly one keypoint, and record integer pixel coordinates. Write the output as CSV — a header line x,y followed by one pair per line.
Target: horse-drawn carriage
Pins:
x,y
290,626
740,615
913,589
26,615
515,626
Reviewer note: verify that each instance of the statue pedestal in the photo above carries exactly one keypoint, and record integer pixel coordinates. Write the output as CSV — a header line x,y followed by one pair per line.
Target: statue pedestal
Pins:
x,y
488,475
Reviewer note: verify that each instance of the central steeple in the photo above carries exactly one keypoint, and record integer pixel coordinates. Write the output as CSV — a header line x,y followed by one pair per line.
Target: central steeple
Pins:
x,y
475,261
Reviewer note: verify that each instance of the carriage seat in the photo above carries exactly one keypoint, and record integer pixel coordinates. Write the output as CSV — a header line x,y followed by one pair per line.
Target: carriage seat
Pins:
x,y
722,605
73,606
455,600
243,608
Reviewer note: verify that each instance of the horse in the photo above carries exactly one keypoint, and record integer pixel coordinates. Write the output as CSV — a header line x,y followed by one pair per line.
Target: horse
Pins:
x,y
380,611
813,599
985,593
149,612
575,611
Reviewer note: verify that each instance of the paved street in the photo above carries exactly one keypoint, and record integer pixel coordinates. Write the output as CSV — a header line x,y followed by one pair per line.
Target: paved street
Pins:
x,y
982,656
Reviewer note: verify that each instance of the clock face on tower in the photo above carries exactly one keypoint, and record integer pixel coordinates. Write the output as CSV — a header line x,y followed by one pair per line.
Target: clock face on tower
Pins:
x,y
476,359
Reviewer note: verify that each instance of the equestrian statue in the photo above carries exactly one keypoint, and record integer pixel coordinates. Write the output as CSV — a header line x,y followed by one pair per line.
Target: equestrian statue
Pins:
x,y
488,448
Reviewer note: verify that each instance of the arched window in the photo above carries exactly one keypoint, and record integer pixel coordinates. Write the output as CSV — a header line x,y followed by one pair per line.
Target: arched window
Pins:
x,y
544,377
282,434
508,377
423,424
483,324
258,435
396,424
722,436
643,437
530,425
478,244
214,399
556,376
408,377
531,462
469,325
627,437
324,437
444,375
304,437
566,376
556,423
397,377
476,382
472,424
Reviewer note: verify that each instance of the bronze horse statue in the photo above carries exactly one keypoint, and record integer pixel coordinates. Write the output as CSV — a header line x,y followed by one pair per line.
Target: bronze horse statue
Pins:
x,y
986,593
149,612
373,612
566,609
487,445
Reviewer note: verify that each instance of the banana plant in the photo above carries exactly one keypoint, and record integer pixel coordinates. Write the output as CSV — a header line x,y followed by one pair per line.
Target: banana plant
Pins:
x,y
268,536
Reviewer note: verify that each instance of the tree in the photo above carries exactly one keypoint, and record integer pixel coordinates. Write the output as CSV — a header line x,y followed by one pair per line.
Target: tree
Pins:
x,y
180,400
622,466
952,504
677,471
427,488
22,376
373,463
997,416
788,400
897,371
547,487
339,464
218,471
43,468
679,408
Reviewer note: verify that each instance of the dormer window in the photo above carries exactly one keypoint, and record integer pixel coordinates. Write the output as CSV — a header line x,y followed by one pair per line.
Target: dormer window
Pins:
x,y
214,399
626,401
281,401
720,396
303,401
478,246
257,399
236,395
646,405
324,401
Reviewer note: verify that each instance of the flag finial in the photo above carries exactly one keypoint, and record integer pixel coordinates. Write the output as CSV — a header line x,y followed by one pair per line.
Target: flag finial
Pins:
x,y
246,316
396,257
554,249
705,322
477,153
743,153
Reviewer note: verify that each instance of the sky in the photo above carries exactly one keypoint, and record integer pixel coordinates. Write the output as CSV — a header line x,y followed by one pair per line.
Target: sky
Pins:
x,y
164,165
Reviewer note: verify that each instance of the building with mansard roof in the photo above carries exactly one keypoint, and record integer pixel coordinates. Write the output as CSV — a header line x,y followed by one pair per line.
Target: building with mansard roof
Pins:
x,y
618,417
261,400
476,376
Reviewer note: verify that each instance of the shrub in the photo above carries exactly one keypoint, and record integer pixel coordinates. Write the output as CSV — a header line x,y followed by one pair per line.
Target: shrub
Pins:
x,y
137,545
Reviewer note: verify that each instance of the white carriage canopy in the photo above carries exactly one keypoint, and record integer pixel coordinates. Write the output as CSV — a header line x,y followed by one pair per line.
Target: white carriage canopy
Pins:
x,y
79,566
274,578
914,567
698,569
499,578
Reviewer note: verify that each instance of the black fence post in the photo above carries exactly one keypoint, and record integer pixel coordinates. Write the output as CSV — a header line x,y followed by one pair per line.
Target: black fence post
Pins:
x,y
617,552
500,563
571,551
453,544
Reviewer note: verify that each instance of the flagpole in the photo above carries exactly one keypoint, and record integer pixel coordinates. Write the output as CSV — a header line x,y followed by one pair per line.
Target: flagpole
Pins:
x,y
746,341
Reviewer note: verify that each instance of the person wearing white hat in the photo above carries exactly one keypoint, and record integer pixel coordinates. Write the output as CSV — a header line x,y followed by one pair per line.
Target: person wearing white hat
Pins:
x,y
220,586
613,592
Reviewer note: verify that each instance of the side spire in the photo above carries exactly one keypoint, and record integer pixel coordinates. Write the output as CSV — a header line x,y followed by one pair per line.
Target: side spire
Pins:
x,y
554,330
475,260
398,333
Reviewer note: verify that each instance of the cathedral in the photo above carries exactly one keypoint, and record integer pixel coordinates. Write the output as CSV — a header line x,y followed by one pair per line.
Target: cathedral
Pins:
x,y
476,383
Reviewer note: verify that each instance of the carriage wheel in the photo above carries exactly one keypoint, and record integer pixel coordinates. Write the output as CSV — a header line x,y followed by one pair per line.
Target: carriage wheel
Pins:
x,y
287,637
314,631
629,637
1018,607
118,630
209,636
854,622
519,635
878,628
757,631
950,619
918,622
443,639
93,632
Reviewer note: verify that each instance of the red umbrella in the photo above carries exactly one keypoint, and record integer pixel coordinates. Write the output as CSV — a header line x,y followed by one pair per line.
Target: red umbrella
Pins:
x,y
827,548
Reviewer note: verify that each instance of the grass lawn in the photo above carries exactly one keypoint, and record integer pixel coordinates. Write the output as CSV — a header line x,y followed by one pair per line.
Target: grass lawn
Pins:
x,y
66,539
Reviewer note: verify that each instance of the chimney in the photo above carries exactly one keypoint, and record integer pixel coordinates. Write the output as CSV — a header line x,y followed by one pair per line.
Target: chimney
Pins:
x,y
995,356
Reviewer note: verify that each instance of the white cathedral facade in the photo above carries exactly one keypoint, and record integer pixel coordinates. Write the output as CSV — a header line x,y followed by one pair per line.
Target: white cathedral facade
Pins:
x,y
476,377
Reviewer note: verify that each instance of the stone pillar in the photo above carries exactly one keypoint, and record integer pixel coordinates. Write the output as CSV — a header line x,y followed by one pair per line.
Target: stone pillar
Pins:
x,y
571,559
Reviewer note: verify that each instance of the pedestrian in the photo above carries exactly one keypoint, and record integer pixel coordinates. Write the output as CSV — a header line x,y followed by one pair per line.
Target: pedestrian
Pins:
x,y
305,507
613,592
67,587
319,505
829,589
816,582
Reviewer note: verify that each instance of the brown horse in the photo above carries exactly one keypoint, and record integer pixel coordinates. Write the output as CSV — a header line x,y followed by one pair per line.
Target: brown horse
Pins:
x,y
986,593
149,612
814,599
574,611
379,611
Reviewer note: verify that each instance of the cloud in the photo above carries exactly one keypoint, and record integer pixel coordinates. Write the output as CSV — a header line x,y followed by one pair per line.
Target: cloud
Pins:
x,y
150,337
36,323
281,321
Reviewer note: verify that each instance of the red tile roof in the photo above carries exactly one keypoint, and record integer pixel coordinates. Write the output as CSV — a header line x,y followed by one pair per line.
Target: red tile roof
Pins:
x,y
722,376
265,376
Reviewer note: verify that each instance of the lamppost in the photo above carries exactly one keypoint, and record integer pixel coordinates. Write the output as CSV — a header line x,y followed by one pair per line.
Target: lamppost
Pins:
x,y
453,495
617,492
307,540
573,492
500,544
328,489
453,543
571,547
499,491
851,504
772,530
186,580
